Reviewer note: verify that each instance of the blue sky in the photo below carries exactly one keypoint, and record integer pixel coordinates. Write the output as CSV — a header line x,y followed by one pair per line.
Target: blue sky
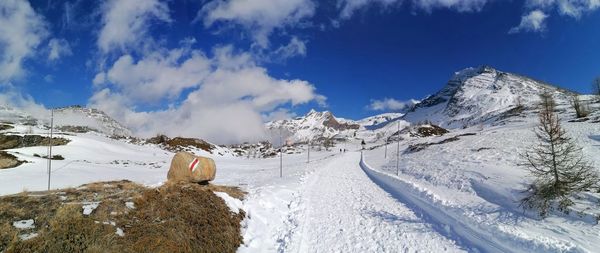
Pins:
x,y
256,60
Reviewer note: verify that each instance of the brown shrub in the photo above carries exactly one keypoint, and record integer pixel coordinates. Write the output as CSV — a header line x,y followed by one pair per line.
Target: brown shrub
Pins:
x,y
183,218
172,218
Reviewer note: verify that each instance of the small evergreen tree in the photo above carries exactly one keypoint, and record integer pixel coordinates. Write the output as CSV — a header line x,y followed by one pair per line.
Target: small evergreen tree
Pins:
x,y
556,163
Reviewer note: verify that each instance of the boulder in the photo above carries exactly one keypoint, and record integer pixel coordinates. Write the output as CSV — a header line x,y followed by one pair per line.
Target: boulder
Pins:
x,y
190,168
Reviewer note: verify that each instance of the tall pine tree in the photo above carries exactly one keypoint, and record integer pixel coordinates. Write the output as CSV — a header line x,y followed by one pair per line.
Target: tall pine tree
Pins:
x,y
556,164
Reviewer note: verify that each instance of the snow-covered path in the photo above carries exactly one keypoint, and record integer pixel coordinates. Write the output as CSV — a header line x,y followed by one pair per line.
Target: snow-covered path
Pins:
x,y
344,211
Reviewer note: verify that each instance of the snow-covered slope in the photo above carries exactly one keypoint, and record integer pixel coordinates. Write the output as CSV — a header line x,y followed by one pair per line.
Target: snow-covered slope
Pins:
x,y
93,119
479,95
377,121
9,114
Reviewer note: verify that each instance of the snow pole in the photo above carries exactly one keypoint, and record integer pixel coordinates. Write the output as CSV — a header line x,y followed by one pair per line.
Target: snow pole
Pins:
x,y
50,147
398,151
386,143
280,154
308,157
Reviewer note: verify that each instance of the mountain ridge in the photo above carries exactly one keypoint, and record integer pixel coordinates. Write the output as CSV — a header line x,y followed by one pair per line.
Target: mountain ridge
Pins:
x,y
472,96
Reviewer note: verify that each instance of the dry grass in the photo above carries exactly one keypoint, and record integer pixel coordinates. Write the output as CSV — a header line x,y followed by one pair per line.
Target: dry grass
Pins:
x,y
180,143
5,127
8,161
183,218
234,192
171,218
18,141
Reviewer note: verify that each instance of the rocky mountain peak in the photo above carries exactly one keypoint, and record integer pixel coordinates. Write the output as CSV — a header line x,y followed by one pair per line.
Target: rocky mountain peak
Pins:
x,y
474,95
88,119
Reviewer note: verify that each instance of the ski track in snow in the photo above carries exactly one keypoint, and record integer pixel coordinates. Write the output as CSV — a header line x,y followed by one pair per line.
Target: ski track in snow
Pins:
x,y
470,236
342,210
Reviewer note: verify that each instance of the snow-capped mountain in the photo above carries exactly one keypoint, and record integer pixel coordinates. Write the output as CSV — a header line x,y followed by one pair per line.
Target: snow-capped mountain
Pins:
x,y
476,95
318,126
79,118
378,121
69,119
472,96
11,115
314,126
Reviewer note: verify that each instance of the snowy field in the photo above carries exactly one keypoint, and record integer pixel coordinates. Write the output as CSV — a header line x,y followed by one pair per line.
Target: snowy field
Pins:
x,y
470,189
453,197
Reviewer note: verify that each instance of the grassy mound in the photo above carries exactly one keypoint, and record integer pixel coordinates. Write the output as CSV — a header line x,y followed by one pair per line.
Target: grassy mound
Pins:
x,y
181,144
18,141
8,161
171,218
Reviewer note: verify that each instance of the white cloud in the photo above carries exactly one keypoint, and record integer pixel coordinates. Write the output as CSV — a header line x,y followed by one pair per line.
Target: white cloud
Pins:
x,y
229,95
49,78
458,5
572,8
99,79
21,32
58,48
11,96
158,75
125,23
349,7
296,47
532,22
390,104
259,17
279,114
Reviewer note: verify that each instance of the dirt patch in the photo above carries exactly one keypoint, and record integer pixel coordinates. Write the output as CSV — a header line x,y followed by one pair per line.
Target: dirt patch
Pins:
x,y
420,146
8,161
76,129
5,127
128,218
54,157
18,141
429,130
333,123
181,143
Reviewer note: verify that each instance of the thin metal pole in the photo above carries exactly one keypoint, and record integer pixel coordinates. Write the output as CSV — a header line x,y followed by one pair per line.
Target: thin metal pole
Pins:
x,y
398,151
386,143
308,157
50,147
280,154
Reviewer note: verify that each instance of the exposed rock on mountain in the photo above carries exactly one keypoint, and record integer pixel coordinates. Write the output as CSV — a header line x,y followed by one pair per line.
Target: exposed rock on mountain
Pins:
x,y
477,95
315,125
81,119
